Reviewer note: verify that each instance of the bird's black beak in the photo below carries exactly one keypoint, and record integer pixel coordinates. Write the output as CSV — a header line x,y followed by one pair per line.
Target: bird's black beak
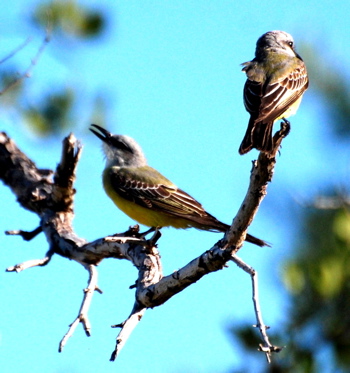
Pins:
x,y
101,133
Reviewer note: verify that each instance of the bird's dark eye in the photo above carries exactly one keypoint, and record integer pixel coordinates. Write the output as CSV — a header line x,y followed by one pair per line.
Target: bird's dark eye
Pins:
x,y
290,43
120,144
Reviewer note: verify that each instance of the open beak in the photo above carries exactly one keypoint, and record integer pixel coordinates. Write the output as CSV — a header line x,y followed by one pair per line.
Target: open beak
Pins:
x,y
101,133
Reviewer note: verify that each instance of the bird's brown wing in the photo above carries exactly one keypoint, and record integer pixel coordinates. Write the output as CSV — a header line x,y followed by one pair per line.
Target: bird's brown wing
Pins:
x,y
269,100
142,188
166,198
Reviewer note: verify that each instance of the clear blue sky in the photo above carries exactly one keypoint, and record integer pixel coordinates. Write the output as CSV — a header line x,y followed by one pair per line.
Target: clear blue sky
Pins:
x,y
172,76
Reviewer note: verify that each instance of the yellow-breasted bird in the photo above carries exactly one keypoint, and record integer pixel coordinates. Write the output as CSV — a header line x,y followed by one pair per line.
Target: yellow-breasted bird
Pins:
x,y
276,81
147,196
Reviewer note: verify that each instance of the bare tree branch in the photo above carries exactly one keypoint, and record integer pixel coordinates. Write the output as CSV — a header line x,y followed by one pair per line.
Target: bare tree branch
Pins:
x,y
51,197
27,236
29,264
16,50
126,328
261,175
83,317
266,347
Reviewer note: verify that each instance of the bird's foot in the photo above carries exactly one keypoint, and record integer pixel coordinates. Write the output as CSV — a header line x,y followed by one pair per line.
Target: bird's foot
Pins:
x,y
144,234
285,128
157,234
133,231
151,245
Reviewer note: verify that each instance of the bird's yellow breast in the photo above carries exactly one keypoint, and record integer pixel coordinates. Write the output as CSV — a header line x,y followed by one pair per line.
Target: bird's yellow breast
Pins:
x,y
143,215
291,110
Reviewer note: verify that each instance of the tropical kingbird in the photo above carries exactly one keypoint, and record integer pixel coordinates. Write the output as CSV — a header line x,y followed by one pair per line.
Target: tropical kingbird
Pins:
x,y
277,79
147,196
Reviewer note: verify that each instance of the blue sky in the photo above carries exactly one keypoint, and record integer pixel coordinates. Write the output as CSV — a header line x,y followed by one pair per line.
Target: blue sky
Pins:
x,y
171,72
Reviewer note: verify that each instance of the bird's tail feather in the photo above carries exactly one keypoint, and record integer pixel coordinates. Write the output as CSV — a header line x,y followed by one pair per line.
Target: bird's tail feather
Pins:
x,y
256,241
247,142
217,226
262,137
259,136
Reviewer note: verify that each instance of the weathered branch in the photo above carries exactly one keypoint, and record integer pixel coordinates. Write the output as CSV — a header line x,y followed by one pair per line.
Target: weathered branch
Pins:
x,y
127,327
82,316
29,264
27,236
261,175
51,197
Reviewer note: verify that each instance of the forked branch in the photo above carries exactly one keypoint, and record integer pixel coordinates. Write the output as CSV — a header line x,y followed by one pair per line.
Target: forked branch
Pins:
x,y
51,196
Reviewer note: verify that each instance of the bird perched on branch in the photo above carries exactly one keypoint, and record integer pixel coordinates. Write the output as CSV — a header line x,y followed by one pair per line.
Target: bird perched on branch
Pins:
x,y
276,81
147,196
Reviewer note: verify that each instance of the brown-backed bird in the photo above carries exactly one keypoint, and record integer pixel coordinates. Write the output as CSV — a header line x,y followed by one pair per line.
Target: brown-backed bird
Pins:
x,y
147,196
276,81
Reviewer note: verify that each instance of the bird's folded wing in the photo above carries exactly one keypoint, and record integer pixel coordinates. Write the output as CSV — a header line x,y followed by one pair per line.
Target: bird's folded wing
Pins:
x,y
270,100
148,188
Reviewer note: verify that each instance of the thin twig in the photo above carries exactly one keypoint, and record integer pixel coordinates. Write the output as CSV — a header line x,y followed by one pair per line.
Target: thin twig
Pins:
x,y
27,236
266,347
29,264
150,272
126,329
34,61
16,50
84,308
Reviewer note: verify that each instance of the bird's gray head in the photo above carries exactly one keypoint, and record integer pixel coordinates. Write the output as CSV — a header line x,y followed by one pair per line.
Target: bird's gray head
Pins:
x,y
278,41
120,150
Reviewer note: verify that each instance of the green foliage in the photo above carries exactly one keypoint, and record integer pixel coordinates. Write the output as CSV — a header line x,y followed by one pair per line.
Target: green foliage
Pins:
x,y
54,112
325,269
322,265
70,19
7,78
52,115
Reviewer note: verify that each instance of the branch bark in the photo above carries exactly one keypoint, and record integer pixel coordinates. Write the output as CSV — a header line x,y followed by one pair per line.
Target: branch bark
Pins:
x,y
50,195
